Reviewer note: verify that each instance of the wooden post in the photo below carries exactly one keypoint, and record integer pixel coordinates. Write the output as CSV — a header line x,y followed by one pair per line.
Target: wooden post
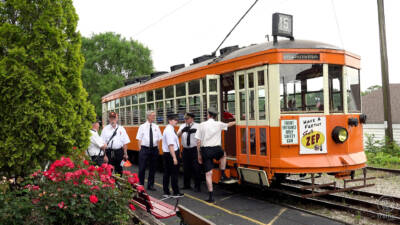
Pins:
x,y
385,72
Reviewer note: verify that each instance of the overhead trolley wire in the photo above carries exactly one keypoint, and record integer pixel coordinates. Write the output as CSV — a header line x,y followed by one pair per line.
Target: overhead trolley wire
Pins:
x,y
214,52
163,17
337,24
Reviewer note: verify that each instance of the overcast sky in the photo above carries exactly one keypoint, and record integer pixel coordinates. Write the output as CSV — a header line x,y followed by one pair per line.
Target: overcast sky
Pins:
x,y
176,31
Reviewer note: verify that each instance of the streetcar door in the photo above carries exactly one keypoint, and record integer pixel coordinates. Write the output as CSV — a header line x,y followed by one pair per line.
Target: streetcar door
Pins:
x,y
252,117
228,113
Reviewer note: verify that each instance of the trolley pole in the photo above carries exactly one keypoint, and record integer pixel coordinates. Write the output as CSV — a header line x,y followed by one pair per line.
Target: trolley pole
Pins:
x,y
385,72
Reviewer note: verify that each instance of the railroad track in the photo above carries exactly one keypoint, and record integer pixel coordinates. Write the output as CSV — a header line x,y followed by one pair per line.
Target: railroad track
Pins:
x,y
395,171
387,210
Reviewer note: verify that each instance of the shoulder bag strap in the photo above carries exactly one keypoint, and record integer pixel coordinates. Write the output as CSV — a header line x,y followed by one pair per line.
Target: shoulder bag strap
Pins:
x,y
113,135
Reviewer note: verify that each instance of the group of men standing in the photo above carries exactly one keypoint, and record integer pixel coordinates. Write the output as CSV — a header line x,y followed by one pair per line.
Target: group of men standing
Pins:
x,y
201,143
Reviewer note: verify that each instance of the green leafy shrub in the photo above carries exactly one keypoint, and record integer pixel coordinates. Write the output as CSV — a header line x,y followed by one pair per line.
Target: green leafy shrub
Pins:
x,y
70,194
380,154
44,107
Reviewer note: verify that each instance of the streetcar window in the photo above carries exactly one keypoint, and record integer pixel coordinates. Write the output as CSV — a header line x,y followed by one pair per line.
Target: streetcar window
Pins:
x,y
142,113
180,90
213,85
128,100
135,115
108,106
128,116
142,97
117,103
253,150
261,81
301,88
150,96
169,92
150,107
122,116
231,101
261,104
169,106
251,105
204,85
335,88
181,109
243,141
160,112
122,103
204,108
263,141
134,99
194,87
159,94
241,81
250,78
353,90
242,105
214,101
112,105
194,107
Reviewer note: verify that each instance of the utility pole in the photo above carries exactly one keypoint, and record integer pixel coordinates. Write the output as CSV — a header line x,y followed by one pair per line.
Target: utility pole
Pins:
x,y
385,72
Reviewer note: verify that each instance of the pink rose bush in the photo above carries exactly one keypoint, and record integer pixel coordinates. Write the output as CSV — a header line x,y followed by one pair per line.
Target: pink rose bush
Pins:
x,y
77,193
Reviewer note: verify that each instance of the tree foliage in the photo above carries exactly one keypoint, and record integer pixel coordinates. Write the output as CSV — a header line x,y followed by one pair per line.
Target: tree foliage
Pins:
x,y
44,108
110,59
371,89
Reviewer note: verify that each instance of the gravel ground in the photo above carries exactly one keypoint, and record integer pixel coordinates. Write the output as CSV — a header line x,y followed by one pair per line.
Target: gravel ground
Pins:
x,y
385,183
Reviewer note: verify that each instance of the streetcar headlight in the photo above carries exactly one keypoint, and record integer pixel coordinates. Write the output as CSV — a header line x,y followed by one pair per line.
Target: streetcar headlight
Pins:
x,y
340,134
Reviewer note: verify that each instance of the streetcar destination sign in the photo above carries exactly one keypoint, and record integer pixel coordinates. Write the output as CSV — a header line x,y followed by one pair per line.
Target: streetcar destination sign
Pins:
x,y
289,132
300,56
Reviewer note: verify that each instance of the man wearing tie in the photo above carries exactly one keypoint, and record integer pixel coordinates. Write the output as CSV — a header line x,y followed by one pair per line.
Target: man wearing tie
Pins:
x,y
148,136
191,167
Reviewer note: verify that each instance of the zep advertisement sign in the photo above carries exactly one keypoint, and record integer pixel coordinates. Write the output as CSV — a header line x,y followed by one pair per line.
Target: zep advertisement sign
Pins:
x,y
312,135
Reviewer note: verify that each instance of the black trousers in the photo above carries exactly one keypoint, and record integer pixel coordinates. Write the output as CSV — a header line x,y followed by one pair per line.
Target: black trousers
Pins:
x,y
191,167
115,156
147,155
170,171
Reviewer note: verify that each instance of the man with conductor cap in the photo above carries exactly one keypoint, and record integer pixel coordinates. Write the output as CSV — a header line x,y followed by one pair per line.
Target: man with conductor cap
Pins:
x,y
170,146
117,141
209,147
191,167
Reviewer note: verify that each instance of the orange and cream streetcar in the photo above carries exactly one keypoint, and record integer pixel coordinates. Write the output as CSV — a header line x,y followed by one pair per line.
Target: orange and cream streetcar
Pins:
x,y
296,103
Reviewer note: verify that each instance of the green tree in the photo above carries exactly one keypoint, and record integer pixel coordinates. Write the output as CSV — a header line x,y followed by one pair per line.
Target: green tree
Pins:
x,y
110,59
44,108
370,89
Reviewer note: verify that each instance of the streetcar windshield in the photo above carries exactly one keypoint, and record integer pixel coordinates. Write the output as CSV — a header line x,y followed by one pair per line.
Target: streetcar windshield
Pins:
x,y
301,88
353,90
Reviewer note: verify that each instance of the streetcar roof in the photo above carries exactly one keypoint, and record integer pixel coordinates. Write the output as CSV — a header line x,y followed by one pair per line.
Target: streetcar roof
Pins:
x,y
281,44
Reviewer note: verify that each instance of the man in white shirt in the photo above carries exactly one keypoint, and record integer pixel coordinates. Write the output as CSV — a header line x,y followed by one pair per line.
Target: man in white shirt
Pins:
x,y
97,146
191,167
148,136
209,147
170,147
117,140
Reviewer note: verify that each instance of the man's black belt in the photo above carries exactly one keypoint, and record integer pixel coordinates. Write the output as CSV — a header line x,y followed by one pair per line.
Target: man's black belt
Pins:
x,y
148,148
190,148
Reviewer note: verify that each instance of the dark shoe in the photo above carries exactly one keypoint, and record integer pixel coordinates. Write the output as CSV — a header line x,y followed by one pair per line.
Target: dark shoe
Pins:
x,y
197,189
177,195
166,195
186,188
210,200
150,188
